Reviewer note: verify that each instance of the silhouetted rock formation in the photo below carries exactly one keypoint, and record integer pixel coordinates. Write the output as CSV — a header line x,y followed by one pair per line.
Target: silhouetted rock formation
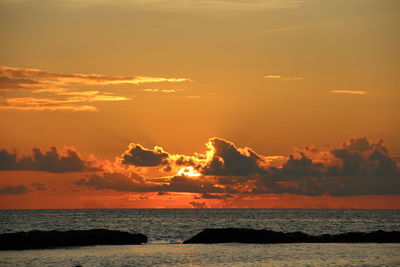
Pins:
x,y
51,239
243,235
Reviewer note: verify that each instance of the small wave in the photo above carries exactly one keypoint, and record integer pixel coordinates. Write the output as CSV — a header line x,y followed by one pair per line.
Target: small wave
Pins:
x,y
165,241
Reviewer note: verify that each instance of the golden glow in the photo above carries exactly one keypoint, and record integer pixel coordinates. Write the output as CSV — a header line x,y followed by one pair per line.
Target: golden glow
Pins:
x,y
252,81
279,77
350,92
189,171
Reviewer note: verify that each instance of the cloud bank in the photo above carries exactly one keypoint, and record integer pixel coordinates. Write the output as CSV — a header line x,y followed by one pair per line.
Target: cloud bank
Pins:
x,y
49,161
358,167
224,171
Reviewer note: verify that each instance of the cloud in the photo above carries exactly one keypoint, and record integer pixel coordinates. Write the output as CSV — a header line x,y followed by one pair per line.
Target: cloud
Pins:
x,y
13,190
221,158
192,185
91,96
349,92
165,91
51,108
66,102
361,144
113,181
358,167
50,161
7,83
214,196
59,95
137,155
279,77
125,183
39,104
225,181
182,160
79,78
226,159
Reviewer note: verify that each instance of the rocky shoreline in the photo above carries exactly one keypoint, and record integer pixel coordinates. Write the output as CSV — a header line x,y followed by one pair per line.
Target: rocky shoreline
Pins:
x,y
245,235
54,239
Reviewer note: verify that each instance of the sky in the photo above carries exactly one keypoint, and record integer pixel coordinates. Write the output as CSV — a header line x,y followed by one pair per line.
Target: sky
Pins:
x,y
199,104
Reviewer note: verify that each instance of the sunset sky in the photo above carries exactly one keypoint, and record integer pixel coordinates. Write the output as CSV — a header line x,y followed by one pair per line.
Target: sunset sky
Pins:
x,y
195,104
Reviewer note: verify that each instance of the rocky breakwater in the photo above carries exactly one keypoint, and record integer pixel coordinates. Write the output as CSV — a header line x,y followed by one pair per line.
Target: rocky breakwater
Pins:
x,y
244,235
53,239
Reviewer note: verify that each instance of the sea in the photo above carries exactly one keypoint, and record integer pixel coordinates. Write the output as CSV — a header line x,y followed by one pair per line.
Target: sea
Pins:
x,y
168,228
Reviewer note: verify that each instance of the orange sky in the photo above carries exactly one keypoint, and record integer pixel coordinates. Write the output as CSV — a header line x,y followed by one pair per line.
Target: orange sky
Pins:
x,y
107,82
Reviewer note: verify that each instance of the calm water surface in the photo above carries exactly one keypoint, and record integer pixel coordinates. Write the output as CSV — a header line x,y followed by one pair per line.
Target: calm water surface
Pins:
x,y
167,228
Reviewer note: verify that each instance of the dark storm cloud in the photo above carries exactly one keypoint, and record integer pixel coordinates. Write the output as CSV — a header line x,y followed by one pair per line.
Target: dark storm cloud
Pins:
x,y
295,168
225,181
358,144
139,156
213,196
368,159
113,181
13,190
384,164
334,186
364,168
227,160
185,184
351,161
120,182
50,161
183,160
358,167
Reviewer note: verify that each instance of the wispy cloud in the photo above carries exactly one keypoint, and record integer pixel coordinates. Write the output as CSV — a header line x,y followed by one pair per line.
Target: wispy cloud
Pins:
x,y
279,77
92,96
7,83
38,104
349,92
68,103
60,89
165,91
57,107
36,76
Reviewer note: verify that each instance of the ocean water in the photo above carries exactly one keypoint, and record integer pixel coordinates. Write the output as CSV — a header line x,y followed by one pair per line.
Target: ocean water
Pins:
x,y
167,228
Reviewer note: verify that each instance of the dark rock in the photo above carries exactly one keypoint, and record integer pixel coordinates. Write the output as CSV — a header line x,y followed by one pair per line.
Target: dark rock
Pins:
x,y
243,235
52,239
